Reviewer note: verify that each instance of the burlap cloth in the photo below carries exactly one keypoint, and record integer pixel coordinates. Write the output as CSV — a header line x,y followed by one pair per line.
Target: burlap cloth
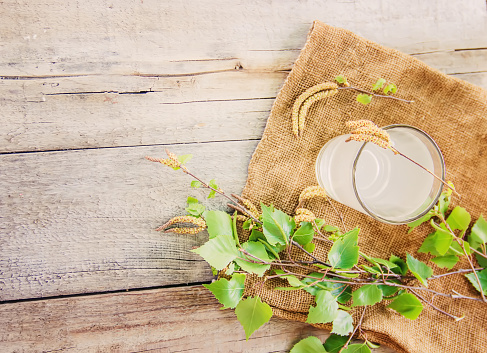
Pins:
x,y
452,111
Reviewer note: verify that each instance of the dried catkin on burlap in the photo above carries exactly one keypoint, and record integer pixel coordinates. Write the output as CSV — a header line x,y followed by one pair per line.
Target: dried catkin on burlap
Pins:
x,y
452,111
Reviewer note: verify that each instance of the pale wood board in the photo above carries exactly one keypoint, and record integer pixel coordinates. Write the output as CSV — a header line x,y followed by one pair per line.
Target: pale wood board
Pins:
x,y
147,87
83,221
55,37
184,319
110,82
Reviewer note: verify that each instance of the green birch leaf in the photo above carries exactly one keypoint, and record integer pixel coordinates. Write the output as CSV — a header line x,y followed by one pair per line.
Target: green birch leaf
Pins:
x,y
195,184
330,229
374,270
379,84
407,305
447,261
357,348
420,221
219,251
479,231
196,210
372,345
455,249
442,241
277,226
194,207
482,275
390,88
341,291
326,309
481,260
191,200
378,261
218,223
388,291
214,185
366,295
304,234
459,218
419,269
344,252
293,281
185,158
334,343
343,324
310,247
310,344
246,224
228,292
428,245
341,79
257,249
444,200
259,236
364,98
256,235
252,314
401,268
319,223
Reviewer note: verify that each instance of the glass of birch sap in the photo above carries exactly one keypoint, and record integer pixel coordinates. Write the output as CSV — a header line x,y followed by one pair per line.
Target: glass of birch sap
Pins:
x,y
377,182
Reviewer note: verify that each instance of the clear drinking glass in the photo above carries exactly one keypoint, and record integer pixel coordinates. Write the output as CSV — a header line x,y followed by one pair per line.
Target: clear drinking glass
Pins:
x,y
379,183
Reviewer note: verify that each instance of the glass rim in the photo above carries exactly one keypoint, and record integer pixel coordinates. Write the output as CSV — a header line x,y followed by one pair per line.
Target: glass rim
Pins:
x,y
433,202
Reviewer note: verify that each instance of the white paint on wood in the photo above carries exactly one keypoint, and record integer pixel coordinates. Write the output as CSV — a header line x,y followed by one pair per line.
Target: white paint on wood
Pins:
x,y
164,320
83,221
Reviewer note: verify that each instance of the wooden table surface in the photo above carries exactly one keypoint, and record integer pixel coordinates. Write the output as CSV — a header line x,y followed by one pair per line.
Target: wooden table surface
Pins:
x,y
88,88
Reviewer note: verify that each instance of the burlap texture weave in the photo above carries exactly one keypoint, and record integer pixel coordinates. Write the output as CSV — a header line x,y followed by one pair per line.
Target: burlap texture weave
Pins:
x,y
453,112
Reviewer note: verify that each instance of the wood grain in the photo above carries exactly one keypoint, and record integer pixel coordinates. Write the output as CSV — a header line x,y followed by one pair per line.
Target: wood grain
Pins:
x,y
164,320
89,74
83,221
111,111
55,37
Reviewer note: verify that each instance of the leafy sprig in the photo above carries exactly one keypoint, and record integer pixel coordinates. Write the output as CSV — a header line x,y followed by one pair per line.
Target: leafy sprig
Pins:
x,y
346,278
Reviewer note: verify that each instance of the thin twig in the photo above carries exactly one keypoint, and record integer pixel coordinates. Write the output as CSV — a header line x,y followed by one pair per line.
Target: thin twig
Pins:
x,y
338,214
309,254
465,270
456,318
375,94
479,253
219,191
242,209
426,169
460,242
355,330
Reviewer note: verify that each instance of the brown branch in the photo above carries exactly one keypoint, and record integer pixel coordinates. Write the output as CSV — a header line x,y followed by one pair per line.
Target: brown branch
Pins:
x,y
456,318
355,330
338,214
375,94
460,242
426,169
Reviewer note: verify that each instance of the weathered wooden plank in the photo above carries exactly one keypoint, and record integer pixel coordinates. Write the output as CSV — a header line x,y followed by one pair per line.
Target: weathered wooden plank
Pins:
x,y
218,107
164,320
60,113
83,221
150,36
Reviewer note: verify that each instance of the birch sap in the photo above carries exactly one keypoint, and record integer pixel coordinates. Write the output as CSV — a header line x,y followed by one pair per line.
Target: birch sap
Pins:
x,y
375,181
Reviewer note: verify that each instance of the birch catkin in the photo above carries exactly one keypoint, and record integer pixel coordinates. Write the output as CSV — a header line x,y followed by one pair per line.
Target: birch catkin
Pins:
x,y
304,215
306,99
199,224
310,192
367,131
